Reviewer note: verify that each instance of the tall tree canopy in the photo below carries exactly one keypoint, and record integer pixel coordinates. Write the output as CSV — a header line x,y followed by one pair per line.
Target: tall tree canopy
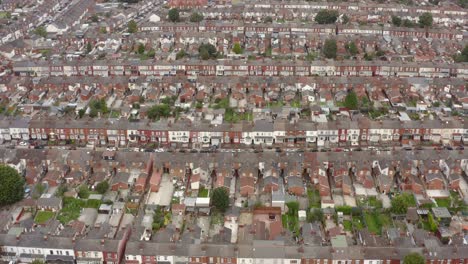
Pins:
x,y
11,185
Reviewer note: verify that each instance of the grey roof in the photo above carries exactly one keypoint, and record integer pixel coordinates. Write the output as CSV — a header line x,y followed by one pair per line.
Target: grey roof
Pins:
x,y
441,212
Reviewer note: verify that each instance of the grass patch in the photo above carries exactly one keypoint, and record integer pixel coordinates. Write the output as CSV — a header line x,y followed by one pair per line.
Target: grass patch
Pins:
x,y
348,225
314,198
376,221
43,216
357,223
217,218
291,219
371,202
443,202
203,192
72,208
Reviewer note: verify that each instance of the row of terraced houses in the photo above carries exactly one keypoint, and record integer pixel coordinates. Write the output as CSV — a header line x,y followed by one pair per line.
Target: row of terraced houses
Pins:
x,y
345,132
239,68
25,248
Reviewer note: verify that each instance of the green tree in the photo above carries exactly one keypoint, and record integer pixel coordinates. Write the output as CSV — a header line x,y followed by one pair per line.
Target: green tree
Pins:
x,y
89,47
158,111
196,17
401,202
207,51
408,23
326,16
345,19
81,113
237,49
132,26
463,56
351,101
141,48
396,21
173,15
414,258
40,31
425,20
102,187
352,48
94,18
83,192
315,215
220,199
330,48
268,19
181,54
11,185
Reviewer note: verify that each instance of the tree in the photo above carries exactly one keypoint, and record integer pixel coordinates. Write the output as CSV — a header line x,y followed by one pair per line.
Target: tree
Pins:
x,y
94,18
315,215
330,48
158,111
237,49
207,51
414,258
41,31
173,15
326,16
220,199
132,26
83,192
196,17
351,101
425,20
345,19
141,48
463,56
89,47
400,203
102,187
268,19
11,185
396,21
81,113
352,48
181,54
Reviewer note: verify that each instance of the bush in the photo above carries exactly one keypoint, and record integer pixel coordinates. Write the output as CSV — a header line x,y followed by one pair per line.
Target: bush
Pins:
x,y
207,51
132,26
220,199
326,16
102,187
173,15
196,17
330,48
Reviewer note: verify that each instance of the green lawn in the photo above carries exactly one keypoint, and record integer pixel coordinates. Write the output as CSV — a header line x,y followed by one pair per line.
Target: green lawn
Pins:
x,y
370,201
348,225
290,222
43,216
314,198
72,208
443,202
376,221
203,193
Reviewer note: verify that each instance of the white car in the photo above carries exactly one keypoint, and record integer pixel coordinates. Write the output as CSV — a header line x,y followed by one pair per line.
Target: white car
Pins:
x,y
22,143
112,149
